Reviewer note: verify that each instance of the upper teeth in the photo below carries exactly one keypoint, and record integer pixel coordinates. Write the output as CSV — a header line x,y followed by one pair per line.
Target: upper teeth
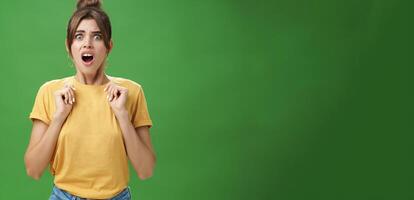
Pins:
x,y
87,54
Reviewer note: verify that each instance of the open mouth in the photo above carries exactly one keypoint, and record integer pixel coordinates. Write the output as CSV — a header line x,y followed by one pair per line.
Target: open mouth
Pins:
x,y
87,57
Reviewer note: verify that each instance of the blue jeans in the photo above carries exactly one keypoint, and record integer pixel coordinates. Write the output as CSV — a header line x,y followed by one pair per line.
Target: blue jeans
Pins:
x,y
59,194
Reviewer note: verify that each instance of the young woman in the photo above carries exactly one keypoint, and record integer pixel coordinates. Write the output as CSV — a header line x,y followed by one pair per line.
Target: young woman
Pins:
x,y
88,125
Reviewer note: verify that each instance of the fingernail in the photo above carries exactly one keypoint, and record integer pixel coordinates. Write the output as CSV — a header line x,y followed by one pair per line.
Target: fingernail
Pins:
x,y
73,99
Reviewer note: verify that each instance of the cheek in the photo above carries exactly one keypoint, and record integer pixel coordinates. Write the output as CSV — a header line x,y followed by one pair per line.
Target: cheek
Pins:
x,y
102,50
74,48
75,44
75,54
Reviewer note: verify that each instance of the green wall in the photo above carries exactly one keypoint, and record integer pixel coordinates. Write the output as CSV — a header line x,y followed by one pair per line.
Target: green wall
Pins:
x,y
283,99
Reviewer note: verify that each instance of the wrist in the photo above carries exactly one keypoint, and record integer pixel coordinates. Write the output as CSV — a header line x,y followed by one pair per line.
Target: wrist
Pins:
x,y
59,118
121,114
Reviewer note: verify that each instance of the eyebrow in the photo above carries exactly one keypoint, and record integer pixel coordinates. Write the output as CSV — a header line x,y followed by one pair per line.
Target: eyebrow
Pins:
x,y
82,31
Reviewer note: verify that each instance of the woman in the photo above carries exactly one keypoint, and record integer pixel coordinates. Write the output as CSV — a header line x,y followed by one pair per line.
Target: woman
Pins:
x,y
88,125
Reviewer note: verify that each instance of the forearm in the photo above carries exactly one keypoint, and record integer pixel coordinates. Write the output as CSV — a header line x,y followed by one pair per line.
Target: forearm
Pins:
x,y
141,157
38,157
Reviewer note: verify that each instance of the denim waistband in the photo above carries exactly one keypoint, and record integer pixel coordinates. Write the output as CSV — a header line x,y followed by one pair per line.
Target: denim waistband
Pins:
x,y
59,194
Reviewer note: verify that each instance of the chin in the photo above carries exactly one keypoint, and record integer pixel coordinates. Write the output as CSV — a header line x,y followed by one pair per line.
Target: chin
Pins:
x,y
87,69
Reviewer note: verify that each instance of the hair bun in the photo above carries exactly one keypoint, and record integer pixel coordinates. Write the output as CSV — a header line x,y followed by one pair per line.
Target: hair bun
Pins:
x,y
88,3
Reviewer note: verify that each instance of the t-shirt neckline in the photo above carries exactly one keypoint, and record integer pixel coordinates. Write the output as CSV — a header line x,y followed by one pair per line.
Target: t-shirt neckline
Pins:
x,y
76,83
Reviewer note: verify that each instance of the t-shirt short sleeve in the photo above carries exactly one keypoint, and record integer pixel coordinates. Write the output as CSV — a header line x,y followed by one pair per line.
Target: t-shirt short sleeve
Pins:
x,y
140,115
40,109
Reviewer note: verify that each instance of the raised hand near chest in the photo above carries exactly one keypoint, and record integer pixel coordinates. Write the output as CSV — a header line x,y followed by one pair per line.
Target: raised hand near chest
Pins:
x,y
64,100
117,97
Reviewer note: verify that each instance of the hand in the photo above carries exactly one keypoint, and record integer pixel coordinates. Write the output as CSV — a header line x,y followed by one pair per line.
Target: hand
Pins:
x,y
64,100
117,97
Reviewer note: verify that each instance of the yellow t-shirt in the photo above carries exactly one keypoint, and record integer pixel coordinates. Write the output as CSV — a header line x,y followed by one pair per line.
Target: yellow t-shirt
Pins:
x,y
90,159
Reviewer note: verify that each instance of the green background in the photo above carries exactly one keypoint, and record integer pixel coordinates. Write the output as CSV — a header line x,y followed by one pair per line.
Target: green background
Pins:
x,y
282,99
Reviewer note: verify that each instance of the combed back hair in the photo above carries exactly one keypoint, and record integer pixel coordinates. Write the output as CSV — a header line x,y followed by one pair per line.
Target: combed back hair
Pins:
x,y
89,9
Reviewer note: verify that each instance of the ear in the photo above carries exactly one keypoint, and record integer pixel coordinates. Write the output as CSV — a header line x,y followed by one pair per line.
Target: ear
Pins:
x,y
111,45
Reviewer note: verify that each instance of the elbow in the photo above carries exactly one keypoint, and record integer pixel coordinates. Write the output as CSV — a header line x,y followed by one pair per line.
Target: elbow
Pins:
x,y
31,172
145,176
148,172
34,175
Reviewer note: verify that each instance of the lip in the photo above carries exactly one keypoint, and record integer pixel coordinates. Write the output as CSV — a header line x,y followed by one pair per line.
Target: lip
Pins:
x,y
89,63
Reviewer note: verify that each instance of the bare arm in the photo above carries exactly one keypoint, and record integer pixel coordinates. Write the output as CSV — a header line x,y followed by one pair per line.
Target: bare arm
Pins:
x,y
41,147
138,146
137,141
44,137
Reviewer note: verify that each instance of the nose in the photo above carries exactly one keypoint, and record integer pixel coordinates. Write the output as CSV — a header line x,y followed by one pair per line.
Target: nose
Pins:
x,y
87,44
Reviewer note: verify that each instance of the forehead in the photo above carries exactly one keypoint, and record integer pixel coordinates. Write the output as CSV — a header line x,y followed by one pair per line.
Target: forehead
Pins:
x,y
88,25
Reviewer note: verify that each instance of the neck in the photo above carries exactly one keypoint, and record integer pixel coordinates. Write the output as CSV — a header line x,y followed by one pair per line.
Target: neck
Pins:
x,y
99,78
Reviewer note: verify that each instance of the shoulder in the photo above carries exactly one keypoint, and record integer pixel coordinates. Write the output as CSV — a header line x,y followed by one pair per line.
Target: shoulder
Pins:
x,y
132,86
53,85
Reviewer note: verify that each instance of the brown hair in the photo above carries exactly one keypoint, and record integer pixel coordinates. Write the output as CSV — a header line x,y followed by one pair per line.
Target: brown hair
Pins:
x,y
89,9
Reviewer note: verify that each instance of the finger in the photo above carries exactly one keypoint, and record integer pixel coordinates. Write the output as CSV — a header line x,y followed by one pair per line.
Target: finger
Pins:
x,y
72,93
67,86
108,85
124,91
65,96
118,92
70,96
108,93
115,93
112,94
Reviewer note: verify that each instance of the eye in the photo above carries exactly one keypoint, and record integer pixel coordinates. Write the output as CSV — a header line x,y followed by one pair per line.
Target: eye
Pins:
x,y
97,37
78,36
